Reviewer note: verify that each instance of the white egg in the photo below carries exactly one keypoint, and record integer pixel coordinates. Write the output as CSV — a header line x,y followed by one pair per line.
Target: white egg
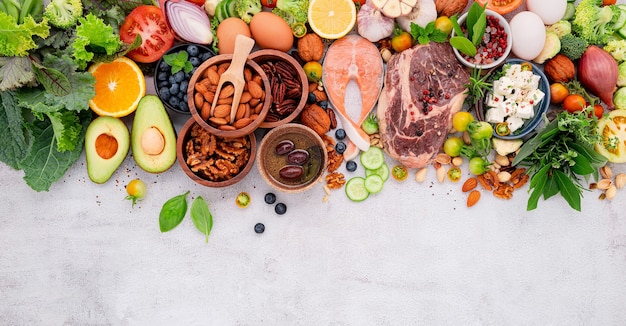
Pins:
x,y
529,35
550,11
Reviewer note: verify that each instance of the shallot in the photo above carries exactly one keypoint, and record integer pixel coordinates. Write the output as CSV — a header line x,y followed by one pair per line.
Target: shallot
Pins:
x,y
597,72
372,24
189,22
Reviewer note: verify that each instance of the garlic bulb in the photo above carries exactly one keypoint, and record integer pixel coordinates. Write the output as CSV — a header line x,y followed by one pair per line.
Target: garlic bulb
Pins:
x,y
372,24
423,13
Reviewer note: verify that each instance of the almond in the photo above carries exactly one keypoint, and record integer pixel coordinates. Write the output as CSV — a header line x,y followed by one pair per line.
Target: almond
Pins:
x,y
227,91
473,198
443,158
242,123
221,111
255,89
212,76
469,184
441,174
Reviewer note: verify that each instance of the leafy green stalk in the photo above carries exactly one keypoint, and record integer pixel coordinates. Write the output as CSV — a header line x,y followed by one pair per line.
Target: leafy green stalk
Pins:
x,y
477,86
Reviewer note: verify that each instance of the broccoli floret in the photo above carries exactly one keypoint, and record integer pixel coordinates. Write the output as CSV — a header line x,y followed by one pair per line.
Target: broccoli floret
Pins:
x,y
64,13
292,11
617,49
594,22
573,46
245,9
560,28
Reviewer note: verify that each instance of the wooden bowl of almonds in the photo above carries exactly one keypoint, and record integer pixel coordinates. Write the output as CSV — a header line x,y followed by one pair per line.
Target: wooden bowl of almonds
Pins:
x,y
253,106
212,160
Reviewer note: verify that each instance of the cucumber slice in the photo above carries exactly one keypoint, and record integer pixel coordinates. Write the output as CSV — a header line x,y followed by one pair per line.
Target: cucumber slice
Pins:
x,y
622,31
382,171
374,183
220,10
373,158
570,10
355,189
621,20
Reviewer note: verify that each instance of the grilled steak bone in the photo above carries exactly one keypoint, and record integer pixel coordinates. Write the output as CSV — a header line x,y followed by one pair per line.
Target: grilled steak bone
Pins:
x,y
424,87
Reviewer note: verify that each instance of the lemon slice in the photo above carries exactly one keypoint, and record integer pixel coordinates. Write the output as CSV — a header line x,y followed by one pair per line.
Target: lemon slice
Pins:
x,y
332,19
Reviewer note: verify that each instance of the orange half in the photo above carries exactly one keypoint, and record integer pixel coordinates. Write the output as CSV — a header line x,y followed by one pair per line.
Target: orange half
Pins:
x,y
119,87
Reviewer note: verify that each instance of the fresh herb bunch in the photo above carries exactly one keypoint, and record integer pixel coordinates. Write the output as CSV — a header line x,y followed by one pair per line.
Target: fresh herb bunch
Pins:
x,y
559,155
178,61
477,86
427,33
476,24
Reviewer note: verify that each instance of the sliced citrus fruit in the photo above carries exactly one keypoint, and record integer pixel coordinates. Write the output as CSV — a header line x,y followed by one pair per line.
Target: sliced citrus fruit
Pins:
x,y
612,129
332,19
120,85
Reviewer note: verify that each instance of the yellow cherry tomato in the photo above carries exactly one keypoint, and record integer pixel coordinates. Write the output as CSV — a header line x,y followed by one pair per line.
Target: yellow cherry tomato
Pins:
x,y
313,71
444,24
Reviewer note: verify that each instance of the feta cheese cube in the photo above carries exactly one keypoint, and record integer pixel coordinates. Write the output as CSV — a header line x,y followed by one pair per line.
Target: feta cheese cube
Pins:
x,y
494,100
494,115
514,123
535,96
508,107
503,86
524,110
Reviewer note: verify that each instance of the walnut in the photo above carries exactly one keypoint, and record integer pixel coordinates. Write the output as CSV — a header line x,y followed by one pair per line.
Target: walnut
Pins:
x,y
314,117
311,47
559,69
450,7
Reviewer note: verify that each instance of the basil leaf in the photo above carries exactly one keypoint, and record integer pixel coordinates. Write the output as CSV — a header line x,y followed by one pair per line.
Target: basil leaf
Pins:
x,y
201,217
455,25
551,188
464,45
533,200
479,29
173,212
541,174
568,189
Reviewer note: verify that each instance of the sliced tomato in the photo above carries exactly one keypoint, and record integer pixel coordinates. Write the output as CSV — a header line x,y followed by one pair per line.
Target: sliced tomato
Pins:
x,y
502,7
198,2
612,129
156,36
269,3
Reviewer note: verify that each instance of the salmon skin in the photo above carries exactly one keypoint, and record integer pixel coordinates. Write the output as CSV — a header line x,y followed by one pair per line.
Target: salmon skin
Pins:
x,y
353,58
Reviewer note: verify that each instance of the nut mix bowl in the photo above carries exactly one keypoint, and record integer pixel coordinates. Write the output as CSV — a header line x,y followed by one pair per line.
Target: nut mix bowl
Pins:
x,y
211,160
253,106
292,158
171,83
288,83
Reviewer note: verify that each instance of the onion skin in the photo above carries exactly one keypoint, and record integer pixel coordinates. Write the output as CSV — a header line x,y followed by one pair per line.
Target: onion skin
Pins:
x,y
597,72
189,21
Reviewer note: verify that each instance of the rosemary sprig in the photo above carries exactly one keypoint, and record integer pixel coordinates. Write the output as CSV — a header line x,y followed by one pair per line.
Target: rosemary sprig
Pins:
x,y
477,86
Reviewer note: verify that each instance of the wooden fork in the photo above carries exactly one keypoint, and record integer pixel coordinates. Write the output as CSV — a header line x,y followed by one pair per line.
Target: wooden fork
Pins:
x,y
234,74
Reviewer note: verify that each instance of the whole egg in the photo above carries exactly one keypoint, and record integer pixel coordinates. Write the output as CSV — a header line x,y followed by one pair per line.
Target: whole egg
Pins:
x,y
529,35
271,32
549,11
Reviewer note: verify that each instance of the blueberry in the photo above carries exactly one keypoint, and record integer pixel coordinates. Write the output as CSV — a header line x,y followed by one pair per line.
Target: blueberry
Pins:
x,y
183,106
162,76
164,66
183,86
164,92
205,56
270,198
323,104
340,134
179,76
311,98
164,83
195,61
193,50
173,101
174,88
340,147
185,98
280,209
259,228
351,166
171,79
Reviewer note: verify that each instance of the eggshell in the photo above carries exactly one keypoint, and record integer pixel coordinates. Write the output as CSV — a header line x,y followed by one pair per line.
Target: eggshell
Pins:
x,y
550,11
227,31
529,35
271,32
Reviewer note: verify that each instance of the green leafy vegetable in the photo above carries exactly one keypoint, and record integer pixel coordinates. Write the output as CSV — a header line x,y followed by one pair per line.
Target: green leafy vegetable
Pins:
x,y
94,36
427,33
201,217
14,139
173,212
476,24
178,61
17,40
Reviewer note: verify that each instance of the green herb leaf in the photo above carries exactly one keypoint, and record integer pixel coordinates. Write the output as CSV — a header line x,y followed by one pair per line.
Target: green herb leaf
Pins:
x,y
427,34
464,45
551,188
201,216
569,190
54,81
473,16
173,212
533,200
540,174
582,166
455,25
178,61
479,29
14,143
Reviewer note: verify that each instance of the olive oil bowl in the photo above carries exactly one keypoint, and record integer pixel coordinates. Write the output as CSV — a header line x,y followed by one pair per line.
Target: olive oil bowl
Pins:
x,y
291,158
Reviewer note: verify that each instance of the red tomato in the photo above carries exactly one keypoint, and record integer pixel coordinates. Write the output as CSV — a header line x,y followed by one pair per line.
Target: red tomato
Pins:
x,y
156,36
198,2
598,111
360,2
574,102
269,3
401,41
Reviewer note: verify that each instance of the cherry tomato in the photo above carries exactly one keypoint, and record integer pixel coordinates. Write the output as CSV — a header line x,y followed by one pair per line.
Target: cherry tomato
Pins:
x,y
480,130
399,172
452,146
444,24
598,111
136,190
558,93
478,165
313,70
454,174
401,41
608,2
269,3
198,2
461,119
574,103
243,200
360,2
156,36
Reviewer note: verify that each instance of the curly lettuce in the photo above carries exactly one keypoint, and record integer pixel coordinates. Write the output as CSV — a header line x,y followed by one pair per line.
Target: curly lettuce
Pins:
x,y
17,39
94,36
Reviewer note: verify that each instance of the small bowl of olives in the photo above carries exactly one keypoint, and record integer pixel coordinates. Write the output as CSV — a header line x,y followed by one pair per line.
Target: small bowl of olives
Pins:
x,y
173,72
292,158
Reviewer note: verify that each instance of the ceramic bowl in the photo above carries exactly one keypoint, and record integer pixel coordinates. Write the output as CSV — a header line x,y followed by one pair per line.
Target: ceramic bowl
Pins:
x,y
509,41
270,162
539,109
196,156
175,98
263,104
295,93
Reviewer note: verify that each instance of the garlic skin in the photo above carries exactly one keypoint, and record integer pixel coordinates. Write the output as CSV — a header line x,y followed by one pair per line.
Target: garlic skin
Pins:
x,y
372,24
424,12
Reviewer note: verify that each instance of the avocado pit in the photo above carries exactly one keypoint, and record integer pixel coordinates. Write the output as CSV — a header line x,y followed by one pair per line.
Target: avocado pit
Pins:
x,y
106,146
152,141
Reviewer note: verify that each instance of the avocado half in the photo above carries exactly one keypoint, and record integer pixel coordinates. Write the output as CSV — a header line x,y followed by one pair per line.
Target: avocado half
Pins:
x,y
153,138
106,144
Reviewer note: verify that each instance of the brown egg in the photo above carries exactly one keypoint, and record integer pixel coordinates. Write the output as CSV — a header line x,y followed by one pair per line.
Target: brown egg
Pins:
x,y
271,32
227,31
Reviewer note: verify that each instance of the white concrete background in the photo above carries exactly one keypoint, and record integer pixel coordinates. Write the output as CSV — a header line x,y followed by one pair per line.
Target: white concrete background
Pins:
x,y
411,255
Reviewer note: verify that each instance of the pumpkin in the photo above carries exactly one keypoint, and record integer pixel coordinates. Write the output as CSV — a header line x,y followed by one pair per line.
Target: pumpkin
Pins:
x,y
502,7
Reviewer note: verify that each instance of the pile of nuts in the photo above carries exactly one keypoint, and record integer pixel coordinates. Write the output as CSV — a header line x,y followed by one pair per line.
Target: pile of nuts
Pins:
x,y
286,89
215,158
608,184
250,105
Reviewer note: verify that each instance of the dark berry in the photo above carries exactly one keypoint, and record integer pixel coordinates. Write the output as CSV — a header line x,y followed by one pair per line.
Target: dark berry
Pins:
x,y
174,89
164,83
183,86
340,134
195,61
179,76
193,50
164,92
172,79
340,147
270,198
280,209
183,106
205,56
311,98
351,166
259,228
164,66
162,76
173,101
323,104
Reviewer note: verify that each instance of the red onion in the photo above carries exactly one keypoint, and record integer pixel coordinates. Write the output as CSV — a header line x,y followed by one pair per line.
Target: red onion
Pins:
x,y
597,72
189,21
